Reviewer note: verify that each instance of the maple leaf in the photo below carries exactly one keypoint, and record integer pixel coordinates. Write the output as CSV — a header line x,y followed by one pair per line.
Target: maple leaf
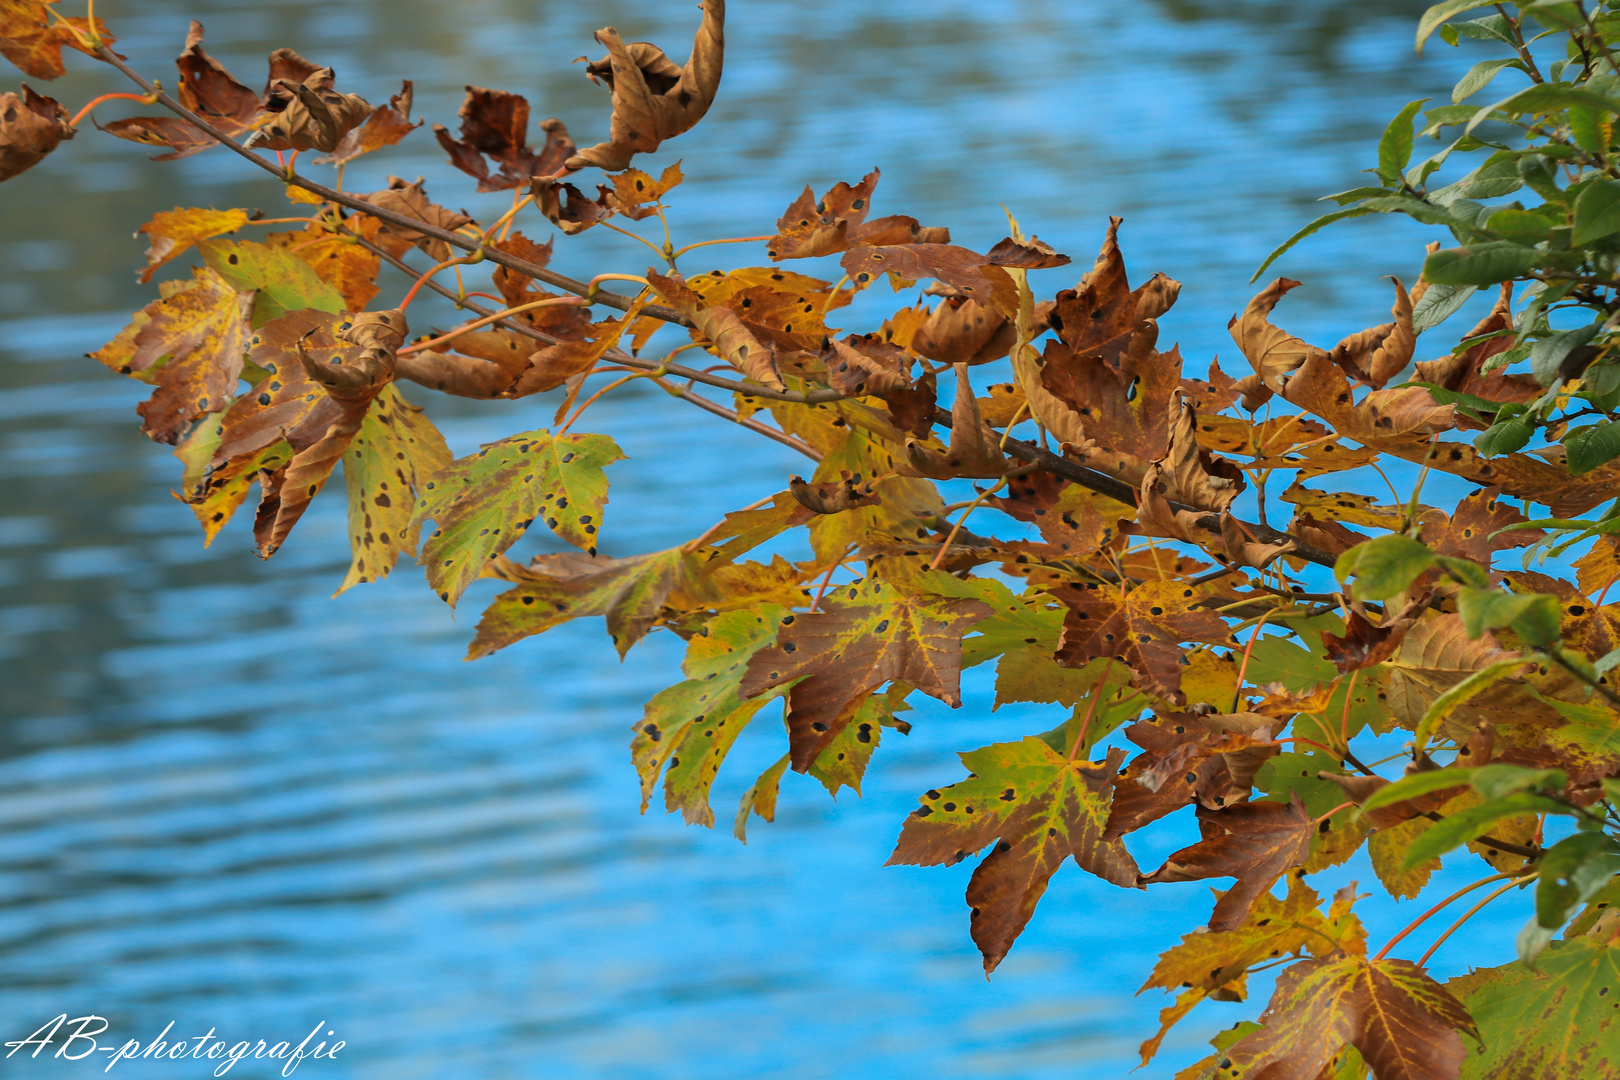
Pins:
x,y
337,260
173,233
1073,519
1402,1022
653,99
837,221
720,325
496,123
189,345
832,498
634,190
1376,356
843,764
554,589
964,331
1464,373
281,282
322,371
208,90
691,726
1435,655
1038,807
394,452
974,450
972,274
867,635
743,530
1145,628
1188,759
1021,634
386,126
309,114
760,798
1474,530
1260,842
410,200
29,40
482,503
552,365
31,127
1600,567
1555,1021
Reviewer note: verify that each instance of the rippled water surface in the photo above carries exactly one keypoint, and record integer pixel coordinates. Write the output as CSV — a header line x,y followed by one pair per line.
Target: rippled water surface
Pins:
x,y
231,801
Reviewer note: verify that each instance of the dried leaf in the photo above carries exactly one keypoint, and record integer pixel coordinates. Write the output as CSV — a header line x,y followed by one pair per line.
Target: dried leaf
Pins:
x,y
974,450
29,40
653,100
31,127
834,497
723,328
495,123
410,200
173,233
1145,628
837,222
634,190
309,114
1038,807
969,272
386,126
1376,356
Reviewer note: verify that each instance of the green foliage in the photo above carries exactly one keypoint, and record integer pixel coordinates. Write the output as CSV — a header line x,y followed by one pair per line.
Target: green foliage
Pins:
x,y
1186,656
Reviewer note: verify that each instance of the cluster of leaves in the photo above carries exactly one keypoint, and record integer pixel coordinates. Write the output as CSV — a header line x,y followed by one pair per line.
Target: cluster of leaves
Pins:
x,y
1192,657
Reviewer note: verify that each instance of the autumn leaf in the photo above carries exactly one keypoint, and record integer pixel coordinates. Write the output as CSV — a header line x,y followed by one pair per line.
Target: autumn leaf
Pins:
x,y
29,40
552,365
336,260
972,274
691,726
280,281
760,799
309,114
173,233
1376,356
1260,842
495,124
1021,635
834,497
866,635
653,99
722,326
208,90
482,503
411,200
964,331
1038,807
1555,1021
843,763
392,455
634,190
31,127
836,222
1475,529
386,126
1145,628
189,345
554,589
1403,1022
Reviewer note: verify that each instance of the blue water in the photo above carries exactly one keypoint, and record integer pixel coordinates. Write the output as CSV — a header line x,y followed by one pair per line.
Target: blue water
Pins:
x,y
232,802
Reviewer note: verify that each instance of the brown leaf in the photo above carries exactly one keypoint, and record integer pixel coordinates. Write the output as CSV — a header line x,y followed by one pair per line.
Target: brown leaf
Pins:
x,y
1378,355
566,207
733,341
1461,371
964,331
837,222
496,123
1145,628
634,190
1073,519
1364,644
31,127
868,635
317,419
1256,843
974,450
1031,254
550,367
309,114
867,364
386,126
410,200
967,270
1403,1023
833,497
29,40
1272,352
1473,531
653,100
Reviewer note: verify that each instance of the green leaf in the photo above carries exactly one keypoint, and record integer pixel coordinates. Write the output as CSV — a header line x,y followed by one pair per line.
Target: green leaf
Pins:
x,y
1501,780
1490,609
1419,783
1586,128
1597,212
1555,1021
1464,825
760,799
484,502
1544,98
1571,872
1479,76
1324,220
1438,14
1384,567
1589,447
692,725
1439,303
1520,226
396,450
1505,437
1548,354
283,282
1540,623
1480,264
1395,147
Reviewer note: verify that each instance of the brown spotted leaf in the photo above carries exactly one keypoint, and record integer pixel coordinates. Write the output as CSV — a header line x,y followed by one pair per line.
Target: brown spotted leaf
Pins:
x,y
1145,628
1256,843
173,232
653,99
1404,1024
837,222
1376,356
31,126
483,502
495,125
29,39
411,200
868,634
1039,808
386,126
970,273
309,114
723,328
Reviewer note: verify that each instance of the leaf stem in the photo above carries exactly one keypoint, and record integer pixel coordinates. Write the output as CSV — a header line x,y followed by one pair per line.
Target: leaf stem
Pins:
x,y
417,285
1469,914
939,557
1243,669
727,240
1421,919
145,99
550,301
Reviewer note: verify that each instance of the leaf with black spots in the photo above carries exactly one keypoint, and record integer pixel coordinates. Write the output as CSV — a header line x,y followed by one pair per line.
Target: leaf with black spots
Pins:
x,y
482,503
1145,628
1038,807
866,635
495,124
1256,843
396,449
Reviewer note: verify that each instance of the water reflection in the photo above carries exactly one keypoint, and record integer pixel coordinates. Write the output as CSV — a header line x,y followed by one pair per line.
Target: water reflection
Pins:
x,y
231,801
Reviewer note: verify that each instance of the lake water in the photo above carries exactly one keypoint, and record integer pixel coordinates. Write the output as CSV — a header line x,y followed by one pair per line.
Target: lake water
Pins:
x,y
230,801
